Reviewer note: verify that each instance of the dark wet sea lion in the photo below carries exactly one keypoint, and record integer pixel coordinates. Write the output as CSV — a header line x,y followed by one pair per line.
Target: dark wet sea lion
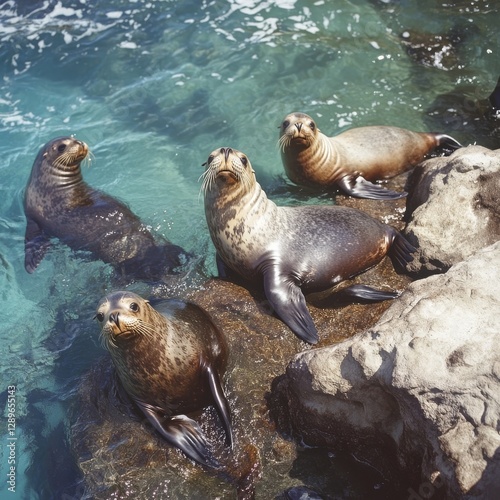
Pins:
x,y
294,250
353,159
170,360
58,203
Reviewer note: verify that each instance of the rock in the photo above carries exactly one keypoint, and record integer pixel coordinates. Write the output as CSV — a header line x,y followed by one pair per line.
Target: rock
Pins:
x,y
453,208
119,454
421,386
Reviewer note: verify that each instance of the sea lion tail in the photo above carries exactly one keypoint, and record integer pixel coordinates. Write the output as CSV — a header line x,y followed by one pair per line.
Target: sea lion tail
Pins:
x,y
401,251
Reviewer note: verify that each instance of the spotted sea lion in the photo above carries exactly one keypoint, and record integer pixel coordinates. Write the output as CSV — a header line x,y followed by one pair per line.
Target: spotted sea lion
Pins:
x,y
170,360
293,250
59,204
354,158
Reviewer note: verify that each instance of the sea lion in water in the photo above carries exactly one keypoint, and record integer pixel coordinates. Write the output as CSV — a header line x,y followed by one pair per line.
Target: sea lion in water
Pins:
x,y
170,360
293,249
58,203
354,158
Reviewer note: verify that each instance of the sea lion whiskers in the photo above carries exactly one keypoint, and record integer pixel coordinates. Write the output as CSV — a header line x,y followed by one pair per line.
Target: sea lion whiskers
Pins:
x,y
107,340
284,142
295,130
134,327
246,177
208,179
69,157
145,329
89,159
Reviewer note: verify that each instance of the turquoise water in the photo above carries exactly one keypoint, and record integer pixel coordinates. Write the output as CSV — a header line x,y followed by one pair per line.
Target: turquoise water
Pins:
x,y
153,87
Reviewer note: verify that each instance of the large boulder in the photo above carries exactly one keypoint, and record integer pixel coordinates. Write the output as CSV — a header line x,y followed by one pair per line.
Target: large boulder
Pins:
x,y
453,208
421,386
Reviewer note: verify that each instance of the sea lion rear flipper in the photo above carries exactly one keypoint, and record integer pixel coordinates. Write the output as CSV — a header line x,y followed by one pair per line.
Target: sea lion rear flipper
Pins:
x,y
220,401
290,305
359,187
367,293
36,245
182,432
401,251
447,144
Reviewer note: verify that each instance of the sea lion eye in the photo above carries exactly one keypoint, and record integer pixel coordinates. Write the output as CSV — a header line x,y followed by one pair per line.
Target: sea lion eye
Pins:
x,y
286,123
210,158
244,161
134,307
61,148
312,125
99,317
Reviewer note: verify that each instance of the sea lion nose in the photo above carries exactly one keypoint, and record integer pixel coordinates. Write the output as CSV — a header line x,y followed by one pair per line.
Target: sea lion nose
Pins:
x,y
226,152
299,126
114,317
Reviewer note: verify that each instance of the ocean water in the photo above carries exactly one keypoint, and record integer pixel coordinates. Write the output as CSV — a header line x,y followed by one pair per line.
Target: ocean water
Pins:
x,y
153,87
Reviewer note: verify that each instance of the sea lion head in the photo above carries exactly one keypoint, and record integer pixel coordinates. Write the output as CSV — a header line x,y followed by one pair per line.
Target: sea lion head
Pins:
x,y
65,153
297,129
228,170
124,315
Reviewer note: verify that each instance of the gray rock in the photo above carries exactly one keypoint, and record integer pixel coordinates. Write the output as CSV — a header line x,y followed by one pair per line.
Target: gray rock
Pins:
x,y
424,382
453,208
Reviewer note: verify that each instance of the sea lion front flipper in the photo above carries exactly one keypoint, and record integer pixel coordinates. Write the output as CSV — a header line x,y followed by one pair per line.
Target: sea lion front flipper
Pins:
x,y
290,305
359,187
367,293
182,432
36,245
220,401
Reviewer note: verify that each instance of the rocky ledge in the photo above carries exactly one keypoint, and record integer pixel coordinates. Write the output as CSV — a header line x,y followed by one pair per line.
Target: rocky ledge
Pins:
x,y
417,394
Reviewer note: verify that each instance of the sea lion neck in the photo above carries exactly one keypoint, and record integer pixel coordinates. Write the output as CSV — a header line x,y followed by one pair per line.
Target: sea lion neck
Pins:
x,y
62,177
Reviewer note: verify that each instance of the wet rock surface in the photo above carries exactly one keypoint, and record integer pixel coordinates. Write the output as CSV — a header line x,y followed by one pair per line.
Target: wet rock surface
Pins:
x,y
120,455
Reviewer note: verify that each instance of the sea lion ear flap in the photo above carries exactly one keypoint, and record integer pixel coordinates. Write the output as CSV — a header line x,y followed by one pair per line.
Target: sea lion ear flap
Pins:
x,y
204,164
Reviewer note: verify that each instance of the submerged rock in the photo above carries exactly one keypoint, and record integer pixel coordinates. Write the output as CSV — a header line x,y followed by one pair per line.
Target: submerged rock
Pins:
x,y
421,386
453,208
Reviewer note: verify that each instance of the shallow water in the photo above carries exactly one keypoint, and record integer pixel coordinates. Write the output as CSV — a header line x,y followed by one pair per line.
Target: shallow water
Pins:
x,y
153,87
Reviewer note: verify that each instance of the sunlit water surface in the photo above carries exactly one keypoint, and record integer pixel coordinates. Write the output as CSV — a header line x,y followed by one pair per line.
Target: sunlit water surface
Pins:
x,y
153,87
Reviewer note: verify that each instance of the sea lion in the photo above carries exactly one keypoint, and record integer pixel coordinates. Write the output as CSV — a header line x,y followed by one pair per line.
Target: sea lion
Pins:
x,y
58,203
170,360
294,250
354,158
